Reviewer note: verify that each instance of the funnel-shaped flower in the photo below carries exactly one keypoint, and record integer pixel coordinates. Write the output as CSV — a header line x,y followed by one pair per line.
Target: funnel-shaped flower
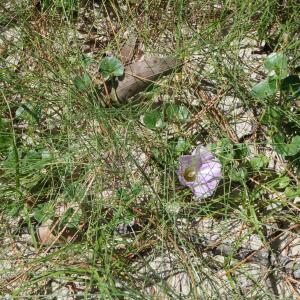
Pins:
x,y
201,171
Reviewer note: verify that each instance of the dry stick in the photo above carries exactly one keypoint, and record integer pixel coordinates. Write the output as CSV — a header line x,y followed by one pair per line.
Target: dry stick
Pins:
x,y
287,244
259,257
216,113
293,280
189,270
199,115
182,256
222,122
256,251
288,282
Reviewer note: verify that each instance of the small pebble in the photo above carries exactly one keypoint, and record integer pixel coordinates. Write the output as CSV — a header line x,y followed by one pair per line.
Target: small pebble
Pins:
x,y
296,274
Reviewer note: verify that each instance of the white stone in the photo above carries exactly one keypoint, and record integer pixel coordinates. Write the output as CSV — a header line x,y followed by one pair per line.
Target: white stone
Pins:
x,y
295,248
180,284
243,126
255,242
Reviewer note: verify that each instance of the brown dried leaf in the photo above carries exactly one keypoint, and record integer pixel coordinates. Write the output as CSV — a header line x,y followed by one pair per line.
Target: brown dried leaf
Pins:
x,y
140,75
46,235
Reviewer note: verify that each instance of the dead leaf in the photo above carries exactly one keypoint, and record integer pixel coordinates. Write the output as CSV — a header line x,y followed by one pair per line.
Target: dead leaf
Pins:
x,y
140,75
44,233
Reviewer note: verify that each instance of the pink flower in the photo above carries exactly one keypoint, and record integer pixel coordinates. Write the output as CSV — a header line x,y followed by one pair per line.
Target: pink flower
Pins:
x,y
201,171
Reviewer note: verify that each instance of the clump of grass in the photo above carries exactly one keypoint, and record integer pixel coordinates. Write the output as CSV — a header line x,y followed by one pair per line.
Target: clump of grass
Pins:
x,y
116,170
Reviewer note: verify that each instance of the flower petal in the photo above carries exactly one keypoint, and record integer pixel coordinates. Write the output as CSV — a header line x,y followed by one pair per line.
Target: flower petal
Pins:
x,y
185,162
202,191
209,171
203,153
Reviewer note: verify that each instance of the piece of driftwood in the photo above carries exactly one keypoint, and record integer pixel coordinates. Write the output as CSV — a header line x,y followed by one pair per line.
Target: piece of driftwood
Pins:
x,y
127,50
138,76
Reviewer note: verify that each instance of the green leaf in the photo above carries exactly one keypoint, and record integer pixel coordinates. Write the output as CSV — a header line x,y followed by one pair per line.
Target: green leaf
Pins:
x,y
226,152
123,194
272,115
85,60
283,182
83,82
152,119
20,111
258,162
279,144
286,149
43,212
291,84
238,174
111,66
240,151
182,145
277,62
177,113
266,88
13,209
70,218
292,193
35,160
294,146
11,162
29,160
128,217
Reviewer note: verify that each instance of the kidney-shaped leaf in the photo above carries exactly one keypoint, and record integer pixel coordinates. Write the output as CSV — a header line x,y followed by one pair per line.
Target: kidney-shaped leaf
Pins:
x,y
177,113
111,66
277,62
287,149
265,88
152,118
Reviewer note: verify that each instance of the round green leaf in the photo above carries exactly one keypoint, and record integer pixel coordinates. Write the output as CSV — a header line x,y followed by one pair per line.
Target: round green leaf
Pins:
x,y
266,88
258,162
111,66
177,113
43,212
152,119
238,174
294,146
182,145
287,149
277,62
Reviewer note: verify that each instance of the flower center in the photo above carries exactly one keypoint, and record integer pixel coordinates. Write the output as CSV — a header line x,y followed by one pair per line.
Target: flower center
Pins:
x,y
189,174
